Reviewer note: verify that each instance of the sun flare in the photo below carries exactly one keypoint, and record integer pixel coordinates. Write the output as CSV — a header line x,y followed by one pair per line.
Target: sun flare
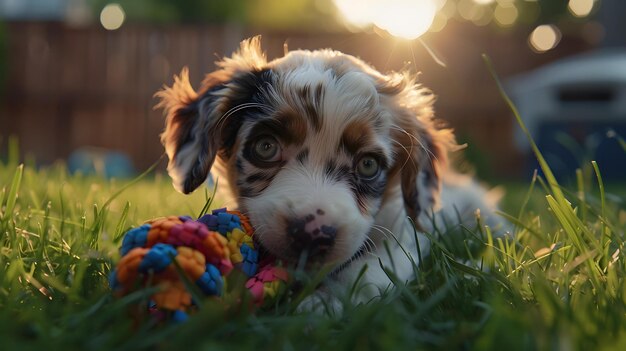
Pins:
x,y
406,19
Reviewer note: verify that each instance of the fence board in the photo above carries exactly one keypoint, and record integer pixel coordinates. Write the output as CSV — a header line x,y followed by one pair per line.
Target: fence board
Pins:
x,y
70,87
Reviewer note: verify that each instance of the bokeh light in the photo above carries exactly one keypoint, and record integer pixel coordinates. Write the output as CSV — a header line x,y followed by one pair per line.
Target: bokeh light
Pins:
x,y
545,37
407,19
505,14
467,9
580,8
112,16
485,16
449,9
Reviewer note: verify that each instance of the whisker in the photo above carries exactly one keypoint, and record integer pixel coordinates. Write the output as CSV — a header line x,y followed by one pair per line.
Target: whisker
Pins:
x,y
384,231
370,245
240,107
412,137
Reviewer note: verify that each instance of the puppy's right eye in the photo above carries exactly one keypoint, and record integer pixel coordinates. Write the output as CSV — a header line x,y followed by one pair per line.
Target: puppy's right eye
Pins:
x,y
368,167
266,149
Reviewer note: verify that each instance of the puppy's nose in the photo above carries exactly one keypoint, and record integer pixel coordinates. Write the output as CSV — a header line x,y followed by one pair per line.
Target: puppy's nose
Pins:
x,y
311,233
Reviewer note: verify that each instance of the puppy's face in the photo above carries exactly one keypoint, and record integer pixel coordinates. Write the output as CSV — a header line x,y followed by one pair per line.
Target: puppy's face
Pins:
x,y
310,144
310,167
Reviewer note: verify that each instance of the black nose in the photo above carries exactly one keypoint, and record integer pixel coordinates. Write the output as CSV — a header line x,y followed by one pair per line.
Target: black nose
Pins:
x,y
311,234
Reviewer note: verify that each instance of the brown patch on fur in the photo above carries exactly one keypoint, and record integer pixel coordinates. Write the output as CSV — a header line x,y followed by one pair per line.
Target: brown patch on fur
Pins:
x,y
293,127
407,166
309,101
355,136
287,127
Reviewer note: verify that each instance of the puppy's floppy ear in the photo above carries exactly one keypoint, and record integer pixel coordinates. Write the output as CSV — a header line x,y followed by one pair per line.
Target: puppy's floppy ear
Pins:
x,y
421,144
196,125
426,148
189,136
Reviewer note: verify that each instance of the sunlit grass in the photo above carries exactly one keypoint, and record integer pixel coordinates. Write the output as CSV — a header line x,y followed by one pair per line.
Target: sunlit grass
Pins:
x,y
557,283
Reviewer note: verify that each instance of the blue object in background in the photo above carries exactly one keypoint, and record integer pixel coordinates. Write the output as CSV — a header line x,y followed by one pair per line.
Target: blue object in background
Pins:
x,y
571,107
101,162
567,146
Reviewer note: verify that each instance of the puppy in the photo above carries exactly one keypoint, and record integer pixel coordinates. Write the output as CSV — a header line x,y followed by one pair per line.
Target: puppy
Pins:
x,y
328,157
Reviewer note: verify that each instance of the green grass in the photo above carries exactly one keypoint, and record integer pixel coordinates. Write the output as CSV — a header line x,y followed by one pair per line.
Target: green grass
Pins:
x,y
557,284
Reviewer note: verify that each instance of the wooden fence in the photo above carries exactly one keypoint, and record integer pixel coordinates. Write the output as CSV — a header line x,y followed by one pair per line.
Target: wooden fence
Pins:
x,y
70,87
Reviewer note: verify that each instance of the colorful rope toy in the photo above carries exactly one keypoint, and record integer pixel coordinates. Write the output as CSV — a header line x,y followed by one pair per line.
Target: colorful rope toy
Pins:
x,y
204,250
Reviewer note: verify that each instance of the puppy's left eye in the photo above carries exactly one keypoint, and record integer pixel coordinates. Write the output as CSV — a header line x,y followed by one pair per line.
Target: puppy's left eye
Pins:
x,y
266,149
368,167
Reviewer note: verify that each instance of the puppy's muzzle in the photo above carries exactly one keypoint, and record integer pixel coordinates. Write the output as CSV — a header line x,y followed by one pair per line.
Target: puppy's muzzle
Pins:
x,y
311,234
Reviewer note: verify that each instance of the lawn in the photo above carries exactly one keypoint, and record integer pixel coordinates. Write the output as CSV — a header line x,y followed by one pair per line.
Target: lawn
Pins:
x,y
559,284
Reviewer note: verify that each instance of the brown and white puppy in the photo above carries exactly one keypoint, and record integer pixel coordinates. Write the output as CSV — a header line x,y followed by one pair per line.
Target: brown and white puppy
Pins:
x,y
327,156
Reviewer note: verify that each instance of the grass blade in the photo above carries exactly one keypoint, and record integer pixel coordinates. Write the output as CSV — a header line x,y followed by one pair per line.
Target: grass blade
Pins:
x,y
13,193
554,185
132,182
120,228
209,200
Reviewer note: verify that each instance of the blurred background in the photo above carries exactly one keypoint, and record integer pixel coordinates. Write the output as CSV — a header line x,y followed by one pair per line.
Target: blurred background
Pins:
x,y
77,77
